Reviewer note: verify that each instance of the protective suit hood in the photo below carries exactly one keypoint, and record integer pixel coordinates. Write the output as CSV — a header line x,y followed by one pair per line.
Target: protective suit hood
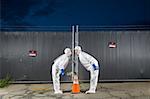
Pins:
x,y
78,50
67,51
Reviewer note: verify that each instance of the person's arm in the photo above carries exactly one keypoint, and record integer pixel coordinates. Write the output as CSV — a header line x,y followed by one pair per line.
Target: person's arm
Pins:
x,y
92,61
62,66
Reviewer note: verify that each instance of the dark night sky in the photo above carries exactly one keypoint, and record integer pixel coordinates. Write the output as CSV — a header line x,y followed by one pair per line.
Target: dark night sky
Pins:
x,y
71,12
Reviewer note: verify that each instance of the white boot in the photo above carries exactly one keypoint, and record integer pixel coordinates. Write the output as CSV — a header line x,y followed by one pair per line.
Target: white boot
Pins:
x,y
90,92
58,92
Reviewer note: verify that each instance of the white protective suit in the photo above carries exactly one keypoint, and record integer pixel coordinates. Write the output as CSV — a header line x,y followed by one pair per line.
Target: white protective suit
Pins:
x,y
91,64
58,69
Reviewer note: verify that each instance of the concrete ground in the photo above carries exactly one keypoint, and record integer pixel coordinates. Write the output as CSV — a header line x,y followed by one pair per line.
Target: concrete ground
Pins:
x,y
137,90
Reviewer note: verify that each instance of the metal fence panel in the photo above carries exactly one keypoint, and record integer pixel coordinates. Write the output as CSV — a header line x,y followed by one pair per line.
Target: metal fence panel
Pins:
x,y
129,60
16,60
0,55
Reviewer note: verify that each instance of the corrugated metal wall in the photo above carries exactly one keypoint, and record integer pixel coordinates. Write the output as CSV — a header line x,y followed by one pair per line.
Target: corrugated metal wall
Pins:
x,y
15,58
130,60
0,56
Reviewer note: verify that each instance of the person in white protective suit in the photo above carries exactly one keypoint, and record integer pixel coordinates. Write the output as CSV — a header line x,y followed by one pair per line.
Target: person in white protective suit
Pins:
x,y
91,64
58,69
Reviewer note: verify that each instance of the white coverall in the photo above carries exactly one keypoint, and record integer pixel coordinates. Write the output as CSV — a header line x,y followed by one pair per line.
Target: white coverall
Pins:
x,y
91,64
58,69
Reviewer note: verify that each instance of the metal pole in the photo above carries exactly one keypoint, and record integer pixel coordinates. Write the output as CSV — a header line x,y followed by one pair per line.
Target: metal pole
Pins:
x,y
76,44
73,30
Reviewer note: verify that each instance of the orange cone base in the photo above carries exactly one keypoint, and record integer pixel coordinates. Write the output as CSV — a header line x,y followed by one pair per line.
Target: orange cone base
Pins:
x,y
75,88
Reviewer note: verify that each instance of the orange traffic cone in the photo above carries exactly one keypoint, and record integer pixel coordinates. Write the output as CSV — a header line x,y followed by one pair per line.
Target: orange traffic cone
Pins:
x,y
75,86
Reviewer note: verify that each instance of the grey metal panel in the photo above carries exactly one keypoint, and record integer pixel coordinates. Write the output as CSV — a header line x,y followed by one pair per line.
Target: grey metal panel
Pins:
x,y
130,60
141,54
124,67
0,55
49,45
15,55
